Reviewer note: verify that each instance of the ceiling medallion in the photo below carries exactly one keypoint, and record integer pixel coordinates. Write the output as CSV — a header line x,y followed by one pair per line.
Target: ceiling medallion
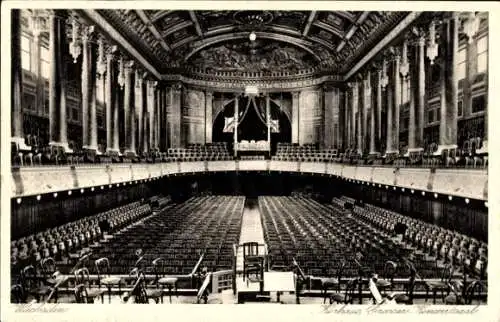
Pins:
x,y
253,17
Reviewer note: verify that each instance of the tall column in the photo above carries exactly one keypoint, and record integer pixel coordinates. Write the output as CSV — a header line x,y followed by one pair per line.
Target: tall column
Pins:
x,y
139,110
110,86
412,103
145,117
89,104
421,97
16,82
174,115
396,94
373,123
389,148
268,117
379,111
85,87
208,116
347,118
367,106
128,108
295,117
57,81
151,112
236,121
157,106
356,119
93,140
470,72
449,112
116,119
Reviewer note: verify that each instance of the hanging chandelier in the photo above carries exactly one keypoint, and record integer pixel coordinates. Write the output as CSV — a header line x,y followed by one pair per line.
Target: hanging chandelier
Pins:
x,y
121,74
385,79
405,66
432,47
74,47
101,61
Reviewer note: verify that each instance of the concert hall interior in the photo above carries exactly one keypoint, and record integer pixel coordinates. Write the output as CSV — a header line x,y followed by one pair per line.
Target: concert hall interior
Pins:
x,y
295,157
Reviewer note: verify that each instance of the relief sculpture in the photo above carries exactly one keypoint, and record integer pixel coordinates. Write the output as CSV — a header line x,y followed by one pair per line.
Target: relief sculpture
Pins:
x,y
253,57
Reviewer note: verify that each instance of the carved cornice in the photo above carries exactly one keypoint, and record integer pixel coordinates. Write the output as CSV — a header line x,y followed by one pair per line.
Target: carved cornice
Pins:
x,y
270,85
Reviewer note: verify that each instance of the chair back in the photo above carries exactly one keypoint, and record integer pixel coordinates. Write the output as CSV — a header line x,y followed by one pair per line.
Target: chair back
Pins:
x,y
82,276
250,249
447,273
474,290
158,268
48,267
102,267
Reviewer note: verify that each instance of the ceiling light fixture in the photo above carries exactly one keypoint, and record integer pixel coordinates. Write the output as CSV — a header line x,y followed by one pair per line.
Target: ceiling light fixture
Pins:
x,y
252,36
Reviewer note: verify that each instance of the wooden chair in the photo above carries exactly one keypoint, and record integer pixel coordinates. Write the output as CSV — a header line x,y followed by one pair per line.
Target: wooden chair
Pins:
x,y
443,285
349,293
104,275
82,277
330,282
252,261
387,280
162,280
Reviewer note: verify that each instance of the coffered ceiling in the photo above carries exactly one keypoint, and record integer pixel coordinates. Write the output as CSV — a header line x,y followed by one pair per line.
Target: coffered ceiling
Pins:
x,y
328,40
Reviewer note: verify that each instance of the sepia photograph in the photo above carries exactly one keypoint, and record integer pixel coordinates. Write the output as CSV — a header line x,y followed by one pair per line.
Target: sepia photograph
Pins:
x,y
257,156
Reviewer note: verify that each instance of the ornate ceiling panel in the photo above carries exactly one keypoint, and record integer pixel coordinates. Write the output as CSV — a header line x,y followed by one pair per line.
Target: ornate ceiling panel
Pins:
x,y
332,40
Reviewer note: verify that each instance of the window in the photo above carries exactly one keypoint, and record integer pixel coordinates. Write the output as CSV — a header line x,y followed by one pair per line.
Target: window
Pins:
x,y
406,91
478,104
482,54
98,89
44,62
74,114
25,53
430,116
460,69
460,108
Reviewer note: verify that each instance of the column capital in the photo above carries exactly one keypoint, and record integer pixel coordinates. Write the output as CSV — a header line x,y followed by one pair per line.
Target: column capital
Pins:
x,y
129,66
88,33
393,53
295,94
111,52
177,87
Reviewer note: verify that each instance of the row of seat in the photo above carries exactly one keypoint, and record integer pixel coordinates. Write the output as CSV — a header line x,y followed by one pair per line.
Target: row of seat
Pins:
x,y
431,241
180,234
68,242
318,236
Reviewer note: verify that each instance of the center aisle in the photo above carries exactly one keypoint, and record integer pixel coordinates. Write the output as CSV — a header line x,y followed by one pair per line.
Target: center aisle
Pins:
x,y
251,228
